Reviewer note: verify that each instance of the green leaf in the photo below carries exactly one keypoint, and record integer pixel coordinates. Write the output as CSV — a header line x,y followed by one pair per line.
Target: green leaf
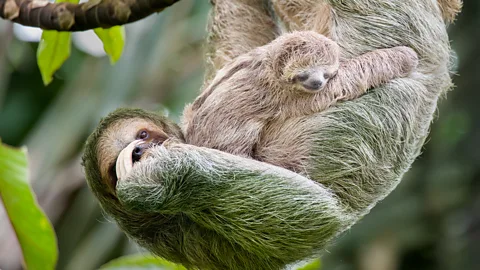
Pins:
x,y
113,41
314,265
52,52
34,231
141,262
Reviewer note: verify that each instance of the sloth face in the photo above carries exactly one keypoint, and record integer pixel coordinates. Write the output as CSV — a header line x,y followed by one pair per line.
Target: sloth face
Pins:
x,y
119,136
123,142
314,79
306,59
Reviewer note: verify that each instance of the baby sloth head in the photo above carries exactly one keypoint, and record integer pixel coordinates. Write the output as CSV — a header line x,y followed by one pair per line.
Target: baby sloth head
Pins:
x,y
307,60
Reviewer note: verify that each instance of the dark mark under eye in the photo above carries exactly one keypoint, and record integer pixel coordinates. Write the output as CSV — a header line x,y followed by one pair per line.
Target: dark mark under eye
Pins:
x,y
113,175
302,76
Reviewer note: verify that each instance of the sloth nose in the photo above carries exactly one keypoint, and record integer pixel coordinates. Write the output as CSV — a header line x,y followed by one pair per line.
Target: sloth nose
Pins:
x,y
311,80
313,84
138,152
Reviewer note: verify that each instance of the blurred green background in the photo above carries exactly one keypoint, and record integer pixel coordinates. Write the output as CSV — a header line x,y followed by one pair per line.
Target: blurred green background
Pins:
x,y
431,221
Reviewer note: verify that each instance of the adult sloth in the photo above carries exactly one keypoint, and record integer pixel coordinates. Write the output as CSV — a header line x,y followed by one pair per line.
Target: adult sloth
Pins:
x,y
211,210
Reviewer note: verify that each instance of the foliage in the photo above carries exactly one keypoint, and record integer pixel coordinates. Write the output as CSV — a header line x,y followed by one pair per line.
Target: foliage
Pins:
x,y
33,229
53,51
314,265
144,262
55,47
113,41
140,262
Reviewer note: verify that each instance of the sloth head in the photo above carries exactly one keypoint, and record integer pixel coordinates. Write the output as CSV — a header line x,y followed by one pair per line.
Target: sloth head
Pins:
x,y
114,133
305,59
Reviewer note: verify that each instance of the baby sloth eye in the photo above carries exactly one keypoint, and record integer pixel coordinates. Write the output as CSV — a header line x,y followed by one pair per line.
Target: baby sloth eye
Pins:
x,y
302,76
329,75
142,135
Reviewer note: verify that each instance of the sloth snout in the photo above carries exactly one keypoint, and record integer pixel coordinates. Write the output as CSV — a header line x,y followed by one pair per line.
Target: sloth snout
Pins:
x,y
313,84
312,80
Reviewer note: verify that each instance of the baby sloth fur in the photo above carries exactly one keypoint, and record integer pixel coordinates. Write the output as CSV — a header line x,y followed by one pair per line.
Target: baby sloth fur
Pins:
x,y
296,75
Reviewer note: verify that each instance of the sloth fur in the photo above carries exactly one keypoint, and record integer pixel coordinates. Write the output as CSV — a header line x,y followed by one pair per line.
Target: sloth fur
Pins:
x,y
250,99
208,209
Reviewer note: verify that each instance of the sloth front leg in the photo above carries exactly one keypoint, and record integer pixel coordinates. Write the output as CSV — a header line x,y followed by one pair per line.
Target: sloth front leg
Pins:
x,y
267,210
370,70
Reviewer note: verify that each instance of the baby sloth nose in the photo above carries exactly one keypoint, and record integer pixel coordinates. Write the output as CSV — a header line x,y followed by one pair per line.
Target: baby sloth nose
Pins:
x,y
313,84
138,151
312,81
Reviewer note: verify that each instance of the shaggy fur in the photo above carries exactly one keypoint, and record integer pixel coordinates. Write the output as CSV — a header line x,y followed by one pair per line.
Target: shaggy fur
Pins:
x,y
227,33
299,15
450,9
211,210
260,89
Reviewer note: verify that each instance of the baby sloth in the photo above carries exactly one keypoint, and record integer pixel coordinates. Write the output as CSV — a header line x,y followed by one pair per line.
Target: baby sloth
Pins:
x,y
297,74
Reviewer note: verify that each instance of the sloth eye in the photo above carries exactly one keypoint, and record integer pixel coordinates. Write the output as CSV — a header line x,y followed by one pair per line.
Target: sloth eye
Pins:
x,y
327,76
301,77
142,135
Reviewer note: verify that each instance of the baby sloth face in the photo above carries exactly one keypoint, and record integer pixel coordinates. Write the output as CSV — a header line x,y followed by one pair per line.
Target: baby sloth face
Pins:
x,y
307,60
314,79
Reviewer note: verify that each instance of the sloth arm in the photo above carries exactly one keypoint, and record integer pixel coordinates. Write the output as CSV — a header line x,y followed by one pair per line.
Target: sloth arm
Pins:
x,y
246,201
372,69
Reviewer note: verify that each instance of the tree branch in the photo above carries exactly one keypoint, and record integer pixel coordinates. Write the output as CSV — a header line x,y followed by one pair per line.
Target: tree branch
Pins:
x,y
79,17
